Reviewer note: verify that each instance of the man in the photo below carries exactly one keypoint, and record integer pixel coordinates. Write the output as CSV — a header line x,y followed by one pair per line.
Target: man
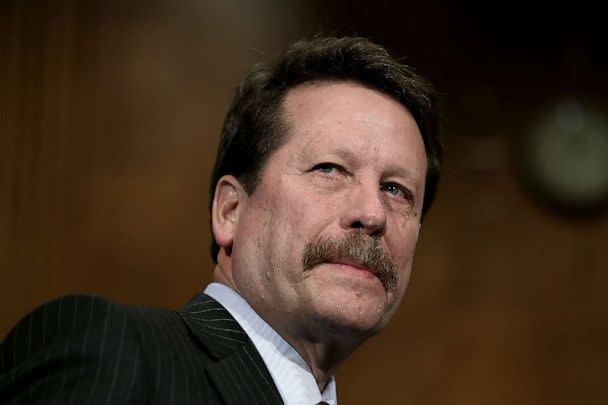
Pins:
x,y
326,165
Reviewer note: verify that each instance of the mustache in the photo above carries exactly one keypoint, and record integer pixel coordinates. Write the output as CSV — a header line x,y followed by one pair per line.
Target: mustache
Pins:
x,y
357,247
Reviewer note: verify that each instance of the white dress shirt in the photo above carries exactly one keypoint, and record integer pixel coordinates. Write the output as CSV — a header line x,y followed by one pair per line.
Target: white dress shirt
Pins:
x,y
290,372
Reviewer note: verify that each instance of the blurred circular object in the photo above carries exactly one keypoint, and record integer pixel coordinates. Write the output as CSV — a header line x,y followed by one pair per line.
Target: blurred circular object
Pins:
x,y
564,157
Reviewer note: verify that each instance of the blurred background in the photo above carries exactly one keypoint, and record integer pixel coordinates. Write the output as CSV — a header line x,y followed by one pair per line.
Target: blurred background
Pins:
x,y
110,113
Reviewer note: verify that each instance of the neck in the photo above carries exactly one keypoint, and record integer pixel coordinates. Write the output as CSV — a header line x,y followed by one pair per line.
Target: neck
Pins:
x,y
322,356
323,348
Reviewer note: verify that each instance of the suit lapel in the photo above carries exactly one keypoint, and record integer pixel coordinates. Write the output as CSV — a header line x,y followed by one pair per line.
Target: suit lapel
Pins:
x,y
239,372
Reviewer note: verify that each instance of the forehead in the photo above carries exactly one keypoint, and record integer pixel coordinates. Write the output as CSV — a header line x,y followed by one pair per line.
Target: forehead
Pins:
x,y
347,115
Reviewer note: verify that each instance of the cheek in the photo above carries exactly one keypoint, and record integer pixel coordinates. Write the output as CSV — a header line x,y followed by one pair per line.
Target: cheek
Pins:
x,y
290,217
284,227
403,242
302,211
404,255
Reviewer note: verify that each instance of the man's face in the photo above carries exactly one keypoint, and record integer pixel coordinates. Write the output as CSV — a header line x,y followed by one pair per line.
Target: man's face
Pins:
x,y
324,245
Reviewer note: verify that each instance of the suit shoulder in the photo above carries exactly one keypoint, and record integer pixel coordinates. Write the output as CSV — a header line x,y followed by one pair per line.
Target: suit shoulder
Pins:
x,y
70,319
86,337
63,315
77,317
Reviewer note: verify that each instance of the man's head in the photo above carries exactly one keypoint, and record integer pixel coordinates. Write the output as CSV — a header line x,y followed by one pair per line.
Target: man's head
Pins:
x,y
326,165
255,125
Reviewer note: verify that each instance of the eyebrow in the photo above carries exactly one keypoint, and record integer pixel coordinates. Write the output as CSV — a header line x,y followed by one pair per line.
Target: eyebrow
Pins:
x,y
392,170
398,171
346,154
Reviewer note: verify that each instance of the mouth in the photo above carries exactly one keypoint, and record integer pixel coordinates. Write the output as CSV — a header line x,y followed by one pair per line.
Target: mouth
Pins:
x,y
354,264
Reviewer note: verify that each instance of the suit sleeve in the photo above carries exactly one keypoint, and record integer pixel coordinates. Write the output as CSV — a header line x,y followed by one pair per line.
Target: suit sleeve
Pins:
x,y
74,350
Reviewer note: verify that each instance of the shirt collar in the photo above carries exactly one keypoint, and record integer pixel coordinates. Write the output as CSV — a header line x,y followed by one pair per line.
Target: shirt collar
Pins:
x,y
291,374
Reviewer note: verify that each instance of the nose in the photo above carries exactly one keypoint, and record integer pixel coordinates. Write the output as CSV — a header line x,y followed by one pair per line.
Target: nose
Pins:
x,y
364,211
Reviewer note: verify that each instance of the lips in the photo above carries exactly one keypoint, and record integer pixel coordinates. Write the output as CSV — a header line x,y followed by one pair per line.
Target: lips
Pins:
x,y
353,263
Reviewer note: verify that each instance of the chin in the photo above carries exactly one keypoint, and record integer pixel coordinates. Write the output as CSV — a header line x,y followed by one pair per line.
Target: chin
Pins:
x,y
353,320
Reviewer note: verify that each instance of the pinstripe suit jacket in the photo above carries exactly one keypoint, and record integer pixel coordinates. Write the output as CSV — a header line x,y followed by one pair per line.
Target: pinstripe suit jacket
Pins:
x,y
83,349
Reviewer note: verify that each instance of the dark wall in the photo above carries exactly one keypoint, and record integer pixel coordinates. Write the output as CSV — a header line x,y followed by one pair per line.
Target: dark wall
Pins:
x,y
110,113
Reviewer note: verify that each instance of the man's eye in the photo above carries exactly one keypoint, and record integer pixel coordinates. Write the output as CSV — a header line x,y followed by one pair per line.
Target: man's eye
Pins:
x,y
397,190
327,168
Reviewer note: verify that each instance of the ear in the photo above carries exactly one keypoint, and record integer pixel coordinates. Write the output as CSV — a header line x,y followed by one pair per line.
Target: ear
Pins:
x,y
227,204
